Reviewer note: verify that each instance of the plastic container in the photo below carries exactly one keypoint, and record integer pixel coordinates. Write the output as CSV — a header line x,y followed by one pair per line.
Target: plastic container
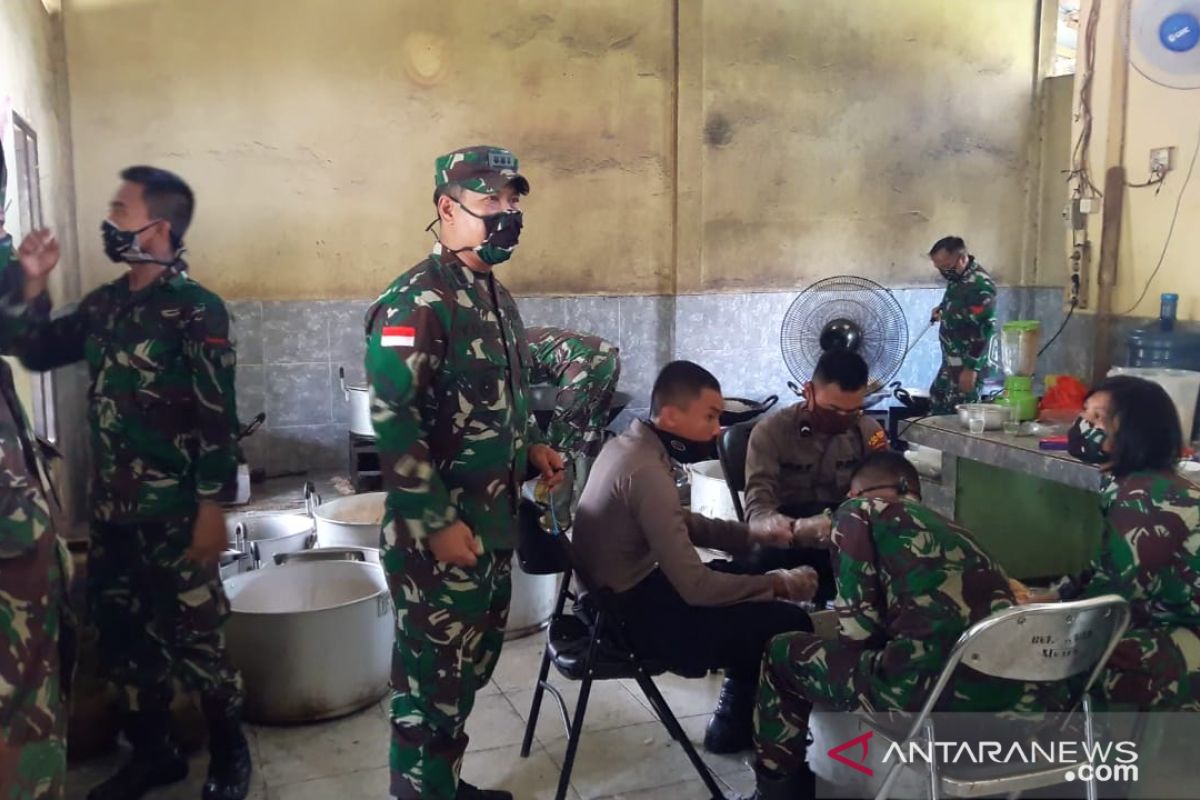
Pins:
x,y
1182,385
710,493
1169,303
1177,349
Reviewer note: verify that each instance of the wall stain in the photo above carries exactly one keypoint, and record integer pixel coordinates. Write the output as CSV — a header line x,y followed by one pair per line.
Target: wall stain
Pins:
x,y
718,130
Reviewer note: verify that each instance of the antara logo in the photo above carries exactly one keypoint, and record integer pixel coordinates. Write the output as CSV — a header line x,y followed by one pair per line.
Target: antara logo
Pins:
x,y
862,739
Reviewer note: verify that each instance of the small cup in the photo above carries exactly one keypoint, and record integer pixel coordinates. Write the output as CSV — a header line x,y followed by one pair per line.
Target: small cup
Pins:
x,y
1012,427
976,424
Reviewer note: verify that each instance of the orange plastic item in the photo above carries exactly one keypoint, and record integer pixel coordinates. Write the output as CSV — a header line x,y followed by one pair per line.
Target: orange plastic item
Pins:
x,y
1063,393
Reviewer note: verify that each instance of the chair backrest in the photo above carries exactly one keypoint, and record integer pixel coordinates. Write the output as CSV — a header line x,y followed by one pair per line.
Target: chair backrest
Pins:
x,y
538,552
1045,643
732,446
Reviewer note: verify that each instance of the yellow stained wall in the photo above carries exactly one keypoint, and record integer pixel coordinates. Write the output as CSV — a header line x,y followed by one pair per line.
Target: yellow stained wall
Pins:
x,y
848,136
1156,117
694,145
309,128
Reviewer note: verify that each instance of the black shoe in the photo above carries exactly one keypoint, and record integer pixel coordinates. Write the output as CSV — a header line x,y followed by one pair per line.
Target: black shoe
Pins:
x,y
731,729
229,768
468,792
143,772
800,785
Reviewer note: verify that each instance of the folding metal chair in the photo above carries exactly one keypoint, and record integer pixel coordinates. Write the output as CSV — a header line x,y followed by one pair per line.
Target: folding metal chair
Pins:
x,y
1012,644
587,647
732,446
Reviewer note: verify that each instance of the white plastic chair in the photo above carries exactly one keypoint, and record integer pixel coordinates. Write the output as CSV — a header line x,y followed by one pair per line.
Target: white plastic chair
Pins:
x,y
1043,643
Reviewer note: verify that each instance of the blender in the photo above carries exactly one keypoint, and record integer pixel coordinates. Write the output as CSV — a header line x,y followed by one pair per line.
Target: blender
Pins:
x,y
1019,342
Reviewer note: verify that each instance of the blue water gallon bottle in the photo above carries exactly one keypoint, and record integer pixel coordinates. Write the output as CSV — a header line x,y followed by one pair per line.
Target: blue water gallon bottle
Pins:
x,y
1166,311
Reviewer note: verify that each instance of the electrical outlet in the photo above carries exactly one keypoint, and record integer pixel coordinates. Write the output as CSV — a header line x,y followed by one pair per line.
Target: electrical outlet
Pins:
x,y
1162,160
1076,290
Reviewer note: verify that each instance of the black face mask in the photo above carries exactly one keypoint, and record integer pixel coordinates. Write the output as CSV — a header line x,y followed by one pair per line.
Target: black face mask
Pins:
x,y
121,247
686,451
502,232
1086,442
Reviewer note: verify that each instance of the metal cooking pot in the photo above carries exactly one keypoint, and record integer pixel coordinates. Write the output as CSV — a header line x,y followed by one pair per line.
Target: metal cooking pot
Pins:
x,y
917,400
234,562
739,409
312,639
359,398
265,537
352,521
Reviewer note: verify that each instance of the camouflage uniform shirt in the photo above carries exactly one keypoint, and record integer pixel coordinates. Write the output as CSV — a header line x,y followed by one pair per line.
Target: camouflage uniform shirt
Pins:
x,y
161,404
910,582
968,318
449,371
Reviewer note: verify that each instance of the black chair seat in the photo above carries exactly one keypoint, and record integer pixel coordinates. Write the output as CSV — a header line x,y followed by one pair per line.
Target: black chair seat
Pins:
x,y
568,639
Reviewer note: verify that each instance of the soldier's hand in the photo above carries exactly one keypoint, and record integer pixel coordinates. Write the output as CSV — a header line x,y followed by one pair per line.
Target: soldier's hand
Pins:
x,y
38,254
813,531
773,530
549,463
209,536
456,545
799,584
935,315
966,380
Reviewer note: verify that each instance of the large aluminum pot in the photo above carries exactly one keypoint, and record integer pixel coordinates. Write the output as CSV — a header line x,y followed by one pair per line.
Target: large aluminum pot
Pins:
x,y
265,537
533,598
352,521
312,639
359,398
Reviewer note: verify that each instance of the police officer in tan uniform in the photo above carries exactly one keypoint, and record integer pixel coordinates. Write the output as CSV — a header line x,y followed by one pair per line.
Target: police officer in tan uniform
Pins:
x,y
801,459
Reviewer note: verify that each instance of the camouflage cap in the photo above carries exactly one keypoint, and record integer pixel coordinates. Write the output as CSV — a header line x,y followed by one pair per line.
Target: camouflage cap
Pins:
x,y
481,168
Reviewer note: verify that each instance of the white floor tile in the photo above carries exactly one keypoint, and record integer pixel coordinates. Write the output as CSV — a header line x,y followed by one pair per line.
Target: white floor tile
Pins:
x,y
302,752
519,661
493,723
533,778
687,697
692,789
371,784
610,705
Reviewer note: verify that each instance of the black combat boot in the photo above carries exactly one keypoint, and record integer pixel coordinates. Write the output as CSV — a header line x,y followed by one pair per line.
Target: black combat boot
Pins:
x,y
771,785
731,728
156,760
468,792
229,767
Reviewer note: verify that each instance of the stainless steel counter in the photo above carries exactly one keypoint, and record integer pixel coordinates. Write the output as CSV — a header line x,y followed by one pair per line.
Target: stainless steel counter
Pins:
x,y
1017,453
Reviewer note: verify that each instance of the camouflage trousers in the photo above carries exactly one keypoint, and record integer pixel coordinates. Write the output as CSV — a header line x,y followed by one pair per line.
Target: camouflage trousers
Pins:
x,y
944,394
449,630
159,617
588,375
35,625
1153,670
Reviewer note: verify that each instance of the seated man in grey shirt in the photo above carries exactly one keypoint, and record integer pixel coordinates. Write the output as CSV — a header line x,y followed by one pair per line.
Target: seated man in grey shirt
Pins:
x,y
634,538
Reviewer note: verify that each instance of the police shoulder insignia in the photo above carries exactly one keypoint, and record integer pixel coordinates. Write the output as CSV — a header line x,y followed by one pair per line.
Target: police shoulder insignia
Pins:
x,y
878,441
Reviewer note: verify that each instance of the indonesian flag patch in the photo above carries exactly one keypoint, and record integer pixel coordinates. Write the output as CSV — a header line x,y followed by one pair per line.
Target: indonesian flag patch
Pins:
x,y
396,336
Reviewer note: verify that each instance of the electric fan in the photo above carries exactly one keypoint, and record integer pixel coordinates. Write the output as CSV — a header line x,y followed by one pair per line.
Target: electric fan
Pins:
x,y
1164,41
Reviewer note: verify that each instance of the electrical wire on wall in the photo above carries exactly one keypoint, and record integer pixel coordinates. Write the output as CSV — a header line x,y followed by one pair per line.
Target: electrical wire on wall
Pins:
x,y
1081,171
1187,179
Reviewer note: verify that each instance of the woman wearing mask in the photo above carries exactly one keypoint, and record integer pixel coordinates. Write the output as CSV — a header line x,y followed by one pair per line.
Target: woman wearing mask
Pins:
x,y
1150,547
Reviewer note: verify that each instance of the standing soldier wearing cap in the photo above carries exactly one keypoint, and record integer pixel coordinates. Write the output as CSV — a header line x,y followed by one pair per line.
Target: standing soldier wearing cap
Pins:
x,y
163,422
35,619
967,315
449,368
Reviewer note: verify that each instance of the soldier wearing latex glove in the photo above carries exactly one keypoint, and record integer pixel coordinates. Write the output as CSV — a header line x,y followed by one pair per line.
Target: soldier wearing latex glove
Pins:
x,y
813,531
909,583
800,460
633,537
449,370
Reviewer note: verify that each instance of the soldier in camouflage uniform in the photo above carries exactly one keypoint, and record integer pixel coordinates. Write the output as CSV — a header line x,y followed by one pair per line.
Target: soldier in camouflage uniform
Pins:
x,y
902,569
967,314
163,420
35,619
586,369
449,367
1150,547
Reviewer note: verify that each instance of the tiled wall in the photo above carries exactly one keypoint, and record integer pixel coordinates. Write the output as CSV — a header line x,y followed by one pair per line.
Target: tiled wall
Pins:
x,y
289,354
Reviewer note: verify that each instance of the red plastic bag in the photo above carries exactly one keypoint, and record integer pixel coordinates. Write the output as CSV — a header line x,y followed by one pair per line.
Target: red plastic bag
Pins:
x,y
1063,393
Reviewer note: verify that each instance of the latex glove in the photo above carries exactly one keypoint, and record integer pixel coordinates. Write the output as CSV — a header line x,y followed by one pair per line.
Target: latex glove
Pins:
x,y
773,530
456,545
798,584
813,531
